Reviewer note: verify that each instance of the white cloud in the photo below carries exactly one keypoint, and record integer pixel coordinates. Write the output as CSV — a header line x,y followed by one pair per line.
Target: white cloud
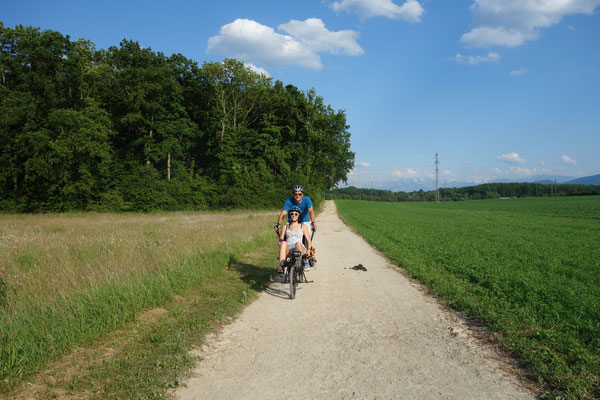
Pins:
x,y
405,173
410,11
497,171
252,42
258,70
313,34
568,160
474,60
543,163
520,172
447,172
511,158
494,36
255,43
363,164
413,173
517,72
511,23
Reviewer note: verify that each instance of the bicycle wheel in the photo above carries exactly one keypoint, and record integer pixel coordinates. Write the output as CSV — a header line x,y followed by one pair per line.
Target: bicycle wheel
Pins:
x,y
292,276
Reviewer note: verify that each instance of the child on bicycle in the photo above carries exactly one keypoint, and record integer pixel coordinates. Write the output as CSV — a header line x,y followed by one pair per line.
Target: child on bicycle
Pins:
x,y
290,239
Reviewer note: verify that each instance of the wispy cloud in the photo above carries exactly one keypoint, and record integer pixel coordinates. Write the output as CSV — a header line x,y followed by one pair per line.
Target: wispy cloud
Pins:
x,y
410,11
363,164
258,70
518,72
568,160
474,60
511,158
315,36
520,172
485,37
405,172
255,43
512,23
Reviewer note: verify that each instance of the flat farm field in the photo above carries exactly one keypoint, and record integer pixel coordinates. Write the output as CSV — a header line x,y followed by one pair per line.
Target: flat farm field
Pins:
x,y
527,268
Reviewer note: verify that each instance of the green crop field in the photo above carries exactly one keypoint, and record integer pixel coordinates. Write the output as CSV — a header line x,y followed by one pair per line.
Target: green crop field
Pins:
x,y
528,268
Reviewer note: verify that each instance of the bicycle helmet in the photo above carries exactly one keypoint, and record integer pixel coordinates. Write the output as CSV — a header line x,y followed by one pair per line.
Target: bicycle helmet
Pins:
x,y
297,188
297,209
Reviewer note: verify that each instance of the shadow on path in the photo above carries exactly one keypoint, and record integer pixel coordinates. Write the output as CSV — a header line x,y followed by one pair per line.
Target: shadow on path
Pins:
x,y
260,278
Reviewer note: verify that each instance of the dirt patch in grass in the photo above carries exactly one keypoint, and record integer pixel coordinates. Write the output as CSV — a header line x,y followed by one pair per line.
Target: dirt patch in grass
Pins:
x,y
152,315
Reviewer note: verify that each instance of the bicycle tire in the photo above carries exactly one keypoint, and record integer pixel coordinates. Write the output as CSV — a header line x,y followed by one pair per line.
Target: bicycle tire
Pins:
x,y
292,276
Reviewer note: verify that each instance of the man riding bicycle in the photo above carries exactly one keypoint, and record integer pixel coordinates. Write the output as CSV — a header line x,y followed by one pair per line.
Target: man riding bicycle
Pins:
x,y
306,207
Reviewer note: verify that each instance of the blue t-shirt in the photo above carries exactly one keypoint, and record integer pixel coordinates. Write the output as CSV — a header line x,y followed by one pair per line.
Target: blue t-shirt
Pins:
x,y
304,206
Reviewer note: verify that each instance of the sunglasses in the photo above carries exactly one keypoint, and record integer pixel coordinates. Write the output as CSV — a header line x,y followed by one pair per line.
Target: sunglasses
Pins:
x,y
292,214
298,194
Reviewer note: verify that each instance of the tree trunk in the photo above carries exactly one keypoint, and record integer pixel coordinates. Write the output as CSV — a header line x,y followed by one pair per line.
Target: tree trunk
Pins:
x,y
169,166
150,136
224,115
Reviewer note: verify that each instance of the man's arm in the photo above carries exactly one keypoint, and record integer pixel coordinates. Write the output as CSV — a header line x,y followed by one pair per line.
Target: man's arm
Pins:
x,y
282,234
311,213
281,216
307,236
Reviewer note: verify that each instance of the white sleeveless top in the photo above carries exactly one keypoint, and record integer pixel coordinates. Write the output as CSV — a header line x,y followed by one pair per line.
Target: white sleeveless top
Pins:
x,y
293,237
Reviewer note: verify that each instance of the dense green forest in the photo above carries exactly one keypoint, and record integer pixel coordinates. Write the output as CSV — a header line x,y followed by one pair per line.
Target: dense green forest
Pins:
x,y
127,128
485,191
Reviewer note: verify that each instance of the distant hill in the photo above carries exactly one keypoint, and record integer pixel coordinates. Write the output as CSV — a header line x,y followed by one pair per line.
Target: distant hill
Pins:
x,y
586,180
414,184
543,179
550,178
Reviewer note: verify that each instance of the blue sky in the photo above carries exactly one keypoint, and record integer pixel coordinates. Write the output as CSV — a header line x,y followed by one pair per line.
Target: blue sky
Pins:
x,y
501,89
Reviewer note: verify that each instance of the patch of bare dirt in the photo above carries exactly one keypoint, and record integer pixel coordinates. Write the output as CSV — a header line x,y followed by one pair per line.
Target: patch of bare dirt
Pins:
x,y
152,315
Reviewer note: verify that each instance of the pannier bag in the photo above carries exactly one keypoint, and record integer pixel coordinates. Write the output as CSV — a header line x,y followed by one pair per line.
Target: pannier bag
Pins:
x,y
312,260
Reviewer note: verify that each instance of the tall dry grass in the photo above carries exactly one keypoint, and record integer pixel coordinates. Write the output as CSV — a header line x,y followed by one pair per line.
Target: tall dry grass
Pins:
x,y
70,278
49,255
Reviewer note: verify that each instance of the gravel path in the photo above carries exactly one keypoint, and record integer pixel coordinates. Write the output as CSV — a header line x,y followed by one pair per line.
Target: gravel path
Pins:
x,y
349,334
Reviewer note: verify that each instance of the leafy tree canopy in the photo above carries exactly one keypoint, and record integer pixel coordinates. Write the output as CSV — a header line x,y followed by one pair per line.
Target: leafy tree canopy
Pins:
x,y
127,128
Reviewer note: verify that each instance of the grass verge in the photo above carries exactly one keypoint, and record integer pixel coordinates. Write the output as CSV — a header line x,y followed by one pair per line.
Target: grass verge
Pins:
x,y
147,357
37,334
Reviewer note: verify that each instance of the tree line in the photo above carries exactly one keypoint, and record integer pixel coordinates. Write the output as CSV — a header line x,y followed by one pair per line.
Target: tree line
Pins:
x,y
484,191
127,128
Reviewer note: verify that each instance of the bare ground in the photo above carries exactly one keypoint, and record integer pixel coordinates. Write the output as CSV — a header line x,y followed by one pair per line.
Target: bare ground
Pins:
x,y
349,334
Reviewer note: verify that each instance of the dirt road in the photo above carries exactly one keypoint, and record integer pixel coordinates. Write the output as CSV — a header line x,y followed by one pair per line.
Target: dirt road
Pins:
x,y
349,334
